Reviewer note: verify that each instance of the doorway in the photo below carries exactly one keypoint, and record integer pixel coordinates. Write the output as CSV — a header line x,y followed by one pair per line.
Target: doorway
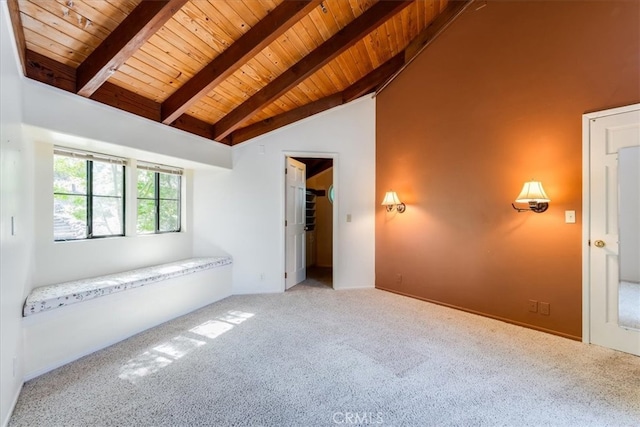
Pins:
x,y
611,228
316,252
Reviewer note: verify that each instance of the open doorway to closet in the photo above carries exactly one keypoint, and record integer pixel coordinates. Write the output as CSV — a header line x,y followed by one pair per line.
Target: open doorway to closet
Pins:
x,y
316,251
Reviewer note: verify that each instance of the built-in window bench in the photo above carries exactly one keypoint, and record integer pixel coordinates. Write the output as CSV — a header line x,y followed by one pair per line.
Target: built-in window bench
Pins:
x,y
65,321
54,296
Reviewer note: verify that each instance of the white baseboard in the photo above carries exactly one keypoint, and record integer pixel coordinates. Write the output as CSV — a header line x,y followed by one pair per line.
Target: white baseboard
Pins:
x,y
349,288
5,422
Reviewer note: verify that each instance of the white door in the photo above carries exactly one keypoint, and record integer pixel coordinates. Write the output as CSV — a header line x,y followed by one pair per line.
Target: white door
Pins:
x,y
610,137
296,177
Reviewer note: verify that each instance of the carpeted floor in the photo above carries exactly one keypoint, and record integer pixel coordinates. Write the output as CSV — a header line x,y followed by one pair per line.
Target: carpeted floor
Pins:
x,y
319,276
318,357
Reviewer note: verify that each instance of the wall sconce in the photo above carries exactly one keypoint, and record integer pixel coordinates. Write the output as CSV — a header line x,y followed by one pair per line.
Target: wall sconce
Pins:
x,y
533,193
391,202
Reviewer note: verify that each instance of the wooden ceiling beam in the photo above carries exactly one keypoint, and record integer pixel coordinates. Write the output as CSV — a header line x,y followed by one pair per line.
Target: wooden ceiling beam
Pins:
x,y
246,47
375,78
131,102
18,32
142,23
371,19
286,118
61,76
438,25
46,70
365,85
196,126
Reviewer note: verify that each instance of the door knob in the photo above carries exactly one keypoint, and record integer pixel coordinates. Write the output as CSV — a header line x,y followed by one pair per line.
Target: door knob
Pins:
x,y
599,243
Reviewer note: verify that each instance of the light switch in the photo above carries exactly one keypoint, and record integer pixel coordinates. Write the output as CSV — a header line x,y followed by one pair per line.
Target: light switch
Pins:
x,y
348,217
570,217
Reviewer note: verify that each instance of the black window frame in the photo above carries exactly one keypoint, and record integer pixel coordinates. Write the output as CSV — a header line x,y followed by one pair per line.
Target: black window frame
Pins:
x,y
157,170
90,159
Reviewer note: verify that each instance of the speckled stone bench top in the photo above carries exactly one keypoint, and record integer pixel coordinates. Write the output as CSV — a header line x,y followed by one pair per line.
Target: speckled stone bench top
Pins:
x,y
50,297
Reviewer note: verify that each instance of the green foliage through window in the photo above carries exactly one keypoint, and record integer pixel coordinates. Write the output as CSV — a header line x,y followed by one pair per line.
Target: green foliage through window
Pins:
x,y
88,198
158,202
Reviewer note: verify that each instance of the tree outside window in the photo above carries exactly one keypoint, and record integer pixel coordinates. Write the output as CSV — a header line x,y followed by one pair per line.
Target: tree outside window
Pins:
x,y
88,197
158,202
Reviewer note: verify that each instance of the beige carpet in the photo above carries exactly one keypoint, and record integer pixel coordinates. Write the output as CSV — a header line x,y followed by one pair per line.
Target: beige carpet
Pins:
x,y
318,357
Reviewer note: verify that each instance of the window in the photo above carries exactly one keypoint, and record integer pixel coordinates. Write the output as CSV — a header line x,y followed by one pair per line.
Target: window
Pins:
x,y
159,190
88,195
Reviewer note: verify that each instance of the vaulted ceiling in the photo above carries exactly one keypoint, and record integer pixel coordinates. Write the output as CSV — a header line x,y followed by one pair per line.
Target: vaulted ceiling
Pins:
x,y
227,70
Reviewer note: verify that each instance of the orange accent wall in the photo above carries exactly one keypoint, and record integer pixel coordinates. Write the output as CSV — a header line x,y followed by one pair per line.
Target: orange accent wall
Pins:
x,y
497,100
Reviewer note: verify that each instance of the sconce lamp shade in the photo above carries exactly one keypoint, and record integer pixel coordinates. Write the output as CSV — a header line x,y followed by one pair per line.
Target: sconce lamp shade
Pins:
x,y
533,194
391,201
532,191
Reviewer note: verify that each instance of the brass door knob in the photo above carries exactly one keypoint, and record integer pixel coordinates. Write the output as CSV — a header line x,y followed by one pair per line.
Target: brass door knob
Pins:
x,y
599,243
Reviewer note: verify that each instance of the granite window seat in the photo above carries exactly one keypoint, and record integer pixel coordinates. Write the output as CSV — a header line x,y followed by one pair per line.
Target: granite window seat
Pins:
x,y
50,297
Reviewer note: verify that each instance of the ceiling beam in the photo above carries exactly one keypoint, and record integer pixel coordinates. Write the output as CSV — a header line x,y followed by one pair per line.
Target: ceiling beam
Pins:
x,y
376,77
246,47
49,71
196,126
365,85
131,102
438,25
62,76
142,23
286,118
18,32
340,42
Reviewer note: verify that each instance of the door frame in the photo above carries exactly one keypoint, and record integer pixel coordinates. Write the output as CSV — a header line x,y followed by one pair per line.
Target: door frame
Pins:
x,y
336,203
586,213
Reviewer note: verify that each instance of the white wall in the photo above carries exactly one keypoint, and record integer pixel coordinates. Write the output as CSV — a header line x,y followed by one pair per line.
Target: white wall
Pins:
x,y
74,120
15,250
245,216
238,212
34,117
81,329
63,261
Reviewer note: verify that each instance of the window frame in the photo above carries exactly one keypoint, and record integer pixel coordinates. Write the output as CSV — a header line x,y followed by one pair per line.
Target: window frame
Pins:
x,y
157,170
90,158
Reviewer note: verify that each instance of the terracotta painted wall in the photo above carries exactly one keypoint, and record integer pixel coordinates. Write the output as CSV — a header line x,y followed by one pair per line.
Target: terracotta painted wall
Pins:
x,y
497,100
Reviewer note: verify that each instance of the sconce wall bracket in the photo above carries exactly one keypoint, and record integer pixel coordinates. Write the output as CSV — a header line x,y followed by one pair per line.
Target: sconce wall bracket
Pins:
x,y
400,207
537,207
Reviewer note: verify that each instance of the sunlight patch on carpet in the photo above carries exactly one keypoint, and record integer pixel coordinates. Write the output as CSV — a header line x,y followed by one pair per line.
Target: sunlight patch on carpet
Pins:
x,y
162,355
179,346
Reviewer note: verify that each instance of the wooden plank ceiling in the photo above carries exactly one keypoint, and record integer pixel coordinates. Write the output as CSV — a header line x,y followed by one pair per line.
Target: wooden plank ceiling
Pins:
x,y
227,70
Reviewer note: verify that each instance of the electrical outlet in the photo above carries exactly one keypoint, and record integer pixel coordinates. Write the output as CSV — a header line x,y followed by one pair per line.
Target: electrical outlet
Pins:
x,y
545,308
15,366
398,278
533,306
